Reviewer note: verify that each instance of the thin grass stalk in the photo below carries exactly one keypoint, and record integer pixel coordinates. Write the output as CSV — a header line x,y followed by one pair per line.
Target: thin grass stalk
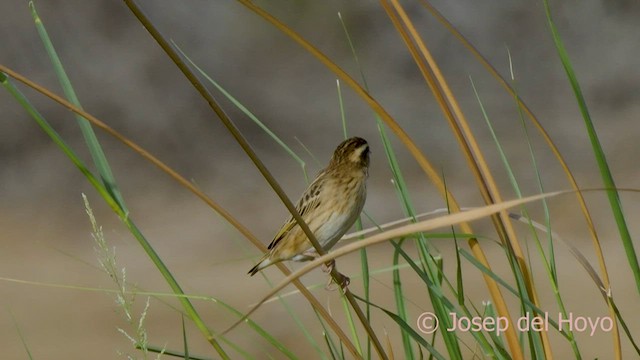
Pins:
x,y
607,178
246,111
441,304
605,172
475,158
364,261
193,79
260,331
389,346
437,291
478,165
534,163
341,107
421,244
552,146
552,268
407,328
501,352
330,345
297,320
459,283
400,187
606,294
549,263
352,325
496,296
21,336
185,341
189,186
257,328
178,354
400,305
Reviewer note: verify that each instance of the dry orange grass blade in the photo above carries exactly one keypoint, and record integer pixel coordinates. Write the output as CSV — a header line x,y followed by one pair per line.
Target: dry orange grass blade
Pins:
x,y
403,231
191,187
552,146
472,153
389,346
461,129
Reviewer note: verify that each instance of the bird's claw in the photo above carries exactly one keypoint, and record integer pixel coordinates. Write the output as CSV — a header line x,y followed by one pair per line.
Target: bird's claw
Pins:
x,y
328,266
341,280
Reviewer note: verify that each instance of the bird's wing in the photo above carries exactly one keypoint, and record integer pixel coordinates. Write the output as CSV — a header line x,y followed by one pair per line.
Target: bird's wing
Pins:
x,y
309,201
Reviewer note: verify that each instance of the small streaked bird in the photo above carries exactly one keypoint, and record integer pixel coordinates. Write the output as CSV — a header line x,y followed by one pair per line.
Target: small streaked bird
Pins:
x,y
330,205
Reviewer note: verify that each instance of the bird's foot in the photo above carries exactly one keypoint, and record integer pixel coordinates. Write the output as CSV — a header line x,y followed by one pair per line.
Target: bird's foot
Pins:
x,y
328,266
341,280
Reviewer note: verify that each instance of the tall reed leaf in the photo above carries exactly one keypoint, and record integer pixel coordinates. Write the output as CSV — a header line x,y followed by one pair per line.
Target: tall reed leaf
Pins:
x,y
607,178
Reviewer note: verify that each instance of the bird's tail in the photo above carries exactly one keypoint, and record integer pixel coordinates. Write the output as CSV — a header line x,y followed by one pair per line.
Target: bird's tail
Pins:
x,y
263,263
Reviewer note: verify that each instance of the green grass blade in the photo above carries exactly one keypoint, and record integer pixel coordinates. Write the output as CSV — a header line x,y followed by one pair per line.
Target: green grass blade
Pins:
x,y
31,110
438,299
535,339
534,163
184,341
354,53
550,263
352,325
241,107
409,330
459,282
330,345
400,304
178,354
509,288
260,331
97,154
297,320
341,105
605,172
625,328
21,335
502,352
402,192
364,261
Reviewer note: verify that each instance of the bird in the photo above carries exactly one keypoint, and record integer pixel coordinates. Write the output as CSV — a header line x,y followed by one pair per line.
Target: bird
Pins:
x,y
330,205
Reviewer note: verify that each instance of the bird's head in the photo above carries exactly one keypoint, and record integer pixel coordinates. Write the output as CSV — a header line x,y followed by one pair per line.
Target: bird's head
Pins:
x,y
353,151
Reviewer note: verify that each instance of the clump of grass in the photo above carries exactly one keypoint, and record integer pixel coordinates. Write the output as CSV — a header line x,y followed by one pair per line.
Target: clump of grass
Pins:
x,y
124,297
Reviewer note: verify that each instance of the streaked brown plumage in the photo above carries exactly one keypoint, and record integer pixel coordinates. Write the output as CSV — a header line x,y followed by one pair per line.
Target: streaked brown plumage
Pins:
x,y
330,205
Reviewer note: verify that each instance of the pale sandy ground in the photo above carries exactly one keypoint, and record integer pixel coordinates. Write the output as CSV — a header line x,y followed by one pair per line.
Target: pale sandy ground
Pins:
x,y
123,78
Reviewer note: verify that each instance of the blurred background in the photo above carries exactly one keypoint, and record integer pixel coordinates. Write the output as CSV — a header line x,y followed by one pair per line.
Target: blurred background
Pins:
x,y
123,78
